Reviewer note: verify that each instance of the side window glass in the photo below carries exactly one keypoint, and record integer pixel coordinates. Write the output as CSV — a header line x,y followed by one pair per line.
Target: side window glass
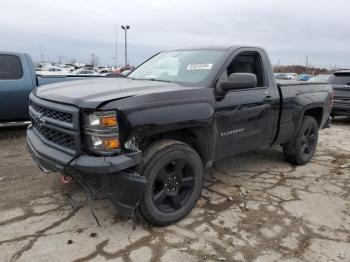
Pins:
x,y
248,62
10,67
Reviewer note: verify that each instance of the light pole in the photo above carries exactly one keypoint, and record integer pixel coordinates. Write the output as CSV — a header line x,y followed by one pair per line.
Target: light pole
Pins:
x,y
125,28
306,63
116,46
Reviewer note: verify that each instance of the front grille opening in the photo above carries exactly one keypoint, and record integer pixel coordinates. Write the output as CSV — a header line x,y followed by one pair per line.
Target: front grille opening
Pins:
x,y
54,136
50,113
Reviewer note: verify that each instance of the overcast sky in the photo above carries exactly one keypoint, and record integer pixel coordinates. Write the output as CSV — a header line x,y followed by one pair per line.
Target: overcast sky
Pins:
x,y
288,30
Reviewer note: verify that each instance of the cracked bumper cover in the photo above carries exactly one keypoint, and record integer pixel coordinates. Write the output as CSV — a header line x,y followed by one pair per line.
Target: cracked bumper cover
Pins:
x,y
125,187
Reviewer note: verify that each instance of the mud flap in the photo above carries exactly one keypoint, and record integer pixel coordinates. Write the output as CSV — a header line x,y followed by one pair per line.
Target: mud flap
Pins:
x,y
126,190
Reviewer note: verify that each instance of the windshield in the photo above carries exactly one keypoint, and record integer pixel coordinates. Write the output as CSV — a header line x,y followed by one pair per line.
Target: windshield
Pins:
x,y
187,66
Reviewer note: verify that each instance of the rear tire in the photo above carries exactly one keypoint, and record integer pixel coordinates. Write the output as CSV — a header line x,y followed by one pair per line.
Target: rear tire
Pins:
x,y
302,148
174,174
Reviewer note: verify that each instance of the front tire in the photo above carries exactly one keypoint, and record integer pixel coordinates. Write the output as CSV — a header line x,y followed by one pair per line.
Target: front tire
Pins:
x,y
303,147
174,174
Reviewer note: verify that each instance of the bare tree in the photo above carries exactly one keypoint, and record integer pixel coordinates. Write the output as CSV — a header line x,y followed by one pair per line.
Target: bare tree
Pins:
x,y
300,69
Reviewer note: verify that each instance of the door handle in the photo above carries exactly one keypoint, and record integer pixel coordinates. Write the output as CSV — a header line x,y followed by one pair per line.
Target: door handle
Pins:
x,y
268,99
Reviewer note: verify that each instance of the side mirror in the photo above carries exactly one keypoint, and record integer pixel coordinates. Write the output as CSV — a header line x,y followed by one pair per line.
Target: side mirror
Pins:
x,y
238,81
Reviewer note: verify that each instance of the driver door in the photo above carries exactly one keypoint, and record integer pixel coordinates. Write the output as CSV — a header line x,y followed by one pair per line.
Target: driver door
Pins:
x,y
246,119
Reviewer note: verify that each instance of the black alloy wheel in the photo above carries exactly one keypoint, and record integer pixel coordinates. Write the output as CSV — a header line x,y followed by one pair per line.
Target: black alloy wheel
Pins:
x,y
173,185
308,142
302,148
174,174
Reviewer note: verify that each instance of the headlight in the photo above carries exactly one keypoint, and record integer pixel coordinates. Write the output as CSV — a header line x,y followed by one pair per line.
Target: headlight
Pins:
x,y
105,144
102,132
103,119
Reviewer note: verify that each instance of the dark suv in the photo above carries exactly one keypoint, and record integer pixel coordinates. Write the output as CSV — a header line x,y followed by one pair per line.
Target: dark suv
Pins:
x,y
340,82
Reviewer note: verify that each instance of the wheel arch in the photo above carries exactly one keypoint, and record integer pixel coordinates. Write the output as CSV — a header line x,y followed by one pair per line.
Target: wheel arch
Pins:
x,y
198,137
315,112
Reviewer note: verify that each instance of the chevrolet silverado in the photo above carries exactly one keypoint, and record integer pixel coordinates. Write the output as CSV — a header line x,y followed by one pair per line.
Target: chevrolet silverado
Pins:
x,y
145,139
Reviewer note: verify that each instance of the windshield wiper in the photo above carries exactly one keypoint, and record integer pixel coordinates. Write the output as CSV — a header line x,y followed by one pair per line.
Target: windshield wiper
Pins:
x,y
150,79
159,80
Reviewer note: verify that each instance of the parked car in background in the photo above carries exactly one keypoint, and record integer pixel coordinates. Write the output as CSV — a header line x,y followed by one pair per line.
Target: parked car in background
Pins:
x,y
320,78
304,77
84,72
126,72
127,68
114,74
340,82
52,70
293,76
68,68
105,71
17,79
282,76
39,66
286,76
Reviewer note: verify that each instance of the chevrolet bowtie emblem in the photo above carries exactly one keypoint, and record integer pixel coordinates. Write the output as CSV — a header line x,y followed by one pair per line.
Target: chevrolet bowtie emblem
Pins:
x,y
39,119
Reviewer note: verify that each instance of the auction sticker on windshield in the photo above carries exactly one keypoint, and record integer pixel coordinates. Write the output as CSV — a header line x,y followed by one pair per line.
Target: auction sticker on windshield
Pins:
x,y
199,66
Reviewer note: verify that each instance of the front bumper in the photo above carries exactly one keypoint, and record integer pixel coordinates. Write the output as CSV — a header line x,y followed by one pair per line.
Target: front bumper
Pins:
x,y
125,187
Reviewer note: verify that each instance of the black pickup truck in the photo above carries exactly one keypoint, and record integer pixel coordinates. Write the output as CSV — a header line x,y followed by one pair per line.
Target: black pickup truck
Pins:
x,y
145,139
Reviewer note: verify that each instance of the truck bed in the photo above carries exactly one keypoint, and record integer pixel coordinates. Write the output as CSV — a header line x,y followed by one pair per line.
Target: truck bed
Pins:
x,y
294,97
297,83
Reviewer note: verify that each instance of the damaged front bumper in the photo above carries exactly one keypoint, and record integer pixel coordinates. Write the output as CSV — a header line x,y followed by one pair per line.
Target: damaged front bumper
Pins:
x,y
124,186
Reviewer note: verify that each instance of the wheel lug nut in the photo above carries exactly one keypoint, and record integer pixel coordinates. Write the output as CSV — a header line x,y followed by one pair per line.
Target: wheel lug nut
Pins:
x,y
177,183
166,185
168,190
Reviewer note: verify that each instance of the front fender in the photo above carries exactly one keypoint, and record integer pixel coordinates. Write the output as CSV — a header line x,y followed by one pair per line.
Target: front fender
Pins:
x,y
167,118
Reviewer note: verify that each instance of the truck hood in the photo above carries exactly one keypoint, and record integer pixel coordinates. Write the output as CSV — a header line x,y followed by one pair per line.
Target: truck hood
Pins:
x,y
91,93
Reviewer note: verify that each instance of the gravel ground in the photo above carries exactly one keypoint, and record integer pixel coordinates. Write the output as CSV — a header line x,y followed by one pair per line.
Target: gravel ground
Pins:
x,y
254,207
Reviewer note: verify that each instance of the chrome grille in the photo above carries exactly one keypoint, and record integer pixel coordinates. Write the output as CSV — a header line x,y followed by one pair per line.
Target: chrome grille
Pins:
x,y
50,113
